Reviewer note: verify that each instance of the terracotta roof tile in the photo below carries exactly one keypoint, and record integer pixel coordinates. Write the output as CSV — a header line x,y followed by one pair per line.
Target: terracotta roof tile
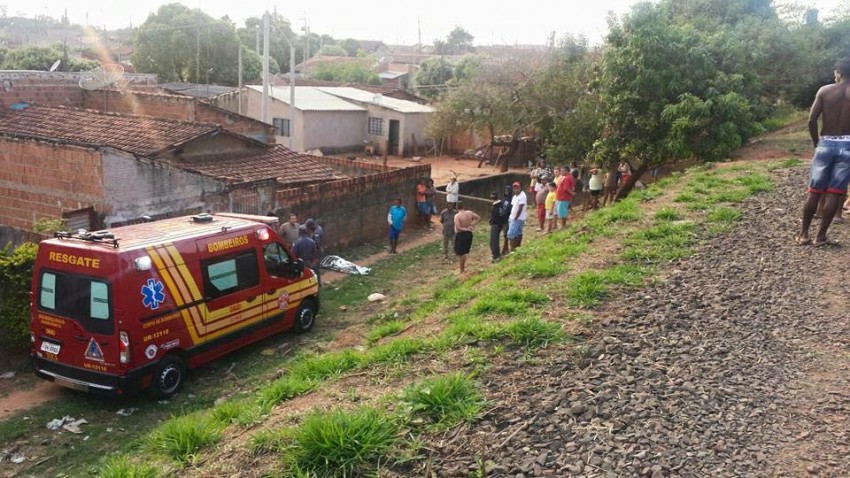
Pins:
x,y
275,162
140,135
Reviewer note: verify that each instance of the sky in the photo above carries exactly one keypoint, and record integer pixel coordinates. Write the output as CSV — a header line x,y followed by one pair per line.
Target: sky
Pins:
x,y
490,22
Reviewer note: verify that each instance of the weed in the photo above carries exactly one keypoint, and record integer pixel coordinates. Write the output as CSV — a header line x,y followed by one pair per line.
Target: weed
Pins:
x,y
266,441
384,330
444,401
726,215
320,367
120,466
664,242
586,290
341,444
668,214
755,183
627,275
394,351
180,438
284,389
534,333
241,412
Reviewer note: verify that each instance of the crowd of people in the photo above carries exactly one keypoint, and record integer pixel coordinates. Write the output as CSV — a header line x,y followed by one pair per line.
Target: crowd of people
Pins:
x,y
305,240
550,194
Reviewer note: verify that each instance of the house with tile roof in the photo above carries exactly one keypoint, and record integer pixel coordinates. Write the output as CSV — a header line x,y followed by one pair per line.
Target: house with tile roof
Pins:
x,y
97,170
100,169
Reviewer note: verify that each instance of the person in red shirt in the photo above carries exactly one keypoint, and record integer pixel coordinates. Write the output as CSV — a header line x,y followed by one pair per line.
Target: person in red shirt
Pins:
x,y
563,196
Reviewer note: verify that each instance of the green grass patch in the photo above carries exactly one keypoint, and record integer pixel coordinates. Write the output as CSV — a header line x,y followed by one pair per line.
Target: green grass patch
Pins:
x,y
326,365
755,183
120,466
384,330
283,389
626,275
586,290
181,438
267,440
443,401
668,214
508,301
241,412
540,266
534,333
724,215
784,164
395,351
664,242
626,210
341,444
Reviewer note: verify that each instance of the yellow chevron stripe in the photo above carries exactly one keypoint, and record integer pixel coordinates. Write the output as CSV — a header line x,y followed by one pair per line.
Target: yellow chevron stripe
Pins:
x,y
163,272
184,272
172,269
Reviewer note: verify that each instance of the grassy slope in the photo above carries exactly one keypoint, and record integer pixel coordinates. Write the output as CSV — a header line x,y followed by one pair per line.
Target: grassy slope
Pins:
x,y
541,296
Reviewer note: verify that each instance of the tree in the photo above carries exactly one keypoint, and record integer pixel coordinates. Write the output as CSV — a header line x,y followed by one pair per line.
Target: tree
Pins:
x,y
458,42
333,50
432,76
664,96
351,46
42,58
280,36
358,71
187,45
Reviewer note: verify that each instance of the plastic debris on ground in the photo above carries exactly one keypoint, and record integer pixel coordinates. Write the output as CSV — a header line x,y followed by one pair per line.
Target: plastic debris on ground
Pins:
x,y
66,423
7,375
126,412
336,263
377,297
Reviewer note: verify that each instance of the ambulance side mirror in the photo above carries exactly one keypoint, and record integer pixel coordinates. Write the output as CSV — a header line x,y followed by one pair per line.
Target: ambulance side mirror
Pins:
x,y
297,267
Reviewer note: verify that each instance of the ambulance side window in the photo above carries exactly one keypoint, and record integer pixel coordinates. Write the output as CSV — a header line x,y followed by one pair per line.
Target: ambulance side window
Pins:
x,y
226,276
276,259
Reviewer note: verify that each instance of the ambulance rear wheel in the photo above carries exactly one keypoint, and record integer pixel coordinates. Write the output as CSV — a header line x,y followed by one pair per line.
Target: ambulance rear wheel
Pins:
x,y
305,317
168,377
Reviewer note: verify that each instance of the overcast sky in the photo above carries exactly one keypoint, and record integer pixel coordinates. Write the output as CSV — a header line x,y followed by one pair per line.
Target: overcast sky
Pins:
x,y
490,22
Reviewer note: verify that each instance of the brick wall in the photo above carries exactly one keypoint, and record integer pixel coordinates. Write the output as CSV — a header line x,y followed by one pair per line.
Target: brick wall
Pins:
x,y
53,88
43,180
354,211
176,107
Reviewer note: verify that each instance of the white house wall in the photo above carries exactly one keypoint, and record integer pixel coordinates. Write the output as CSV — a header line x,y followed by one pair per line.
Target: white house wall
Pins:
x,y
333,129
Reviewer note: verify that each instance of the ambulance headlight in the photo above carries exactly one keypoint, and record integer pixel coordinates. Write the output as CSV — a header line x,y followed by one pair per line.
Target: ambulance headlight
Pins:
x,y
143,263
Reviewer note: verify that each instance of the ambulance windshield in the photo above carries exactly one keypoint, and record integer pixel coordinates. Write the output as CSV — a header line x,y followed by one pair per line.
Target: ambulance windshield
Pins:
x,y
77,297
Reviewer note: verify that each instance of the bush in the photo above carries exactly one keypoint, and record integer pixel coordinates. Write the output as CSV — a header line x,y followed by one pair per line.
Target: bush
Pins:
x,y
15,279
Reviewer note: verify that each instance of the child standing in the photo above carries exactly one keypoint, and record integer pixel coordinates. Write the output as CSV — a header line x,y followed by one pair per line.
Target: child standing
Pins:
x,y
551,218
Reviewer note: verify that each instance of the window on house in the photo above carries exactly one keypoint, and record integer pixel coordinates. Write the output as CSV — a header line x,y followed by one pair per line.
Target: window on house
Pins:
x,y
376,126
281,126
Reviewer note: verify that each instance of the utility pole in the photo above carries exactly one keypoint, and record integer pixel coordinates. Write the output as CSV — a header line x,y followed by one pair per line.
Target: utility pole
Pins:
x,y
306,47
198,61
291,92
265,107
257,49
239,97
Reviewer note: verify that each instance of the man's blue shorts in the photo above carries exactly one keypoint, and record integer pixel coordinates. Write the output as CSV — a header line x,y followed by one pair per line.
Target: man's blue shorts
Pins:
x,y
423,208
563,208
394,233
831,165
515,228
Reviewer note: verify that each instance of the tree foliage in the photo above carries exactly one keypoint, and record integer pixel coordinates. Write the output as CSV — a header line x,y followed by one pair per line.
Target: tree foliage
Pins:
x,y
458,42
359,71
187,45
41,58
15,276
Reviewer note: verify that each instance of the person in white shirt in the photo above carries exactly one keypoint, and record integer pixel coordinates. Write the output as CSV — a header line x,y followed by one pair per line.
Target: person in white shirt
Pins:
x,y
519,212
453,191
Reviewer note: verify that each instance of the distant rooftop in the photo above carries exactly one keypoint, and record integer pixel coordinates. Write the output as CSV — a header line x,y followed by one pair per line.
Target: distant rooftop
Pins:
x,y
309,98
362,96
196,90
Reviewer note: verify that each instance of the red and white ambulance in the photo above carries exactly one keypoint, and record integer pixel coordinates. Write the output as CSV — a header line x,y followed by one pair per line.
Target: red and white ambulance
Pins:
x,y
134,307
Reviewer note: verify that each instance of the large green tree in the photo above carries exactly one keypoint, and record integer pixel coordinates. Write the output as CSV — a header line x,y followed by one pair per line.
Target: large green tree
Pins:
x,y
182,44
664,95
42,58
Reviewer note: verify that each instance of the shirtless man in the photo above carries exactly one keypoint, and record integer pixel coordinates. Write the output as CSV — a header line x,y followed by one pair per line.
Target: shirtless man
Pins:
x,y
831,161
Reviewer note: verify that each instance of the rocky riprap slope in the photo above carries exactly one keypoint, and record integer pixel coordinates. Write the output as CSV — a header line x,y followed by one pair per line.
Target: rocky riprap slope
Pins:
x,y
734,363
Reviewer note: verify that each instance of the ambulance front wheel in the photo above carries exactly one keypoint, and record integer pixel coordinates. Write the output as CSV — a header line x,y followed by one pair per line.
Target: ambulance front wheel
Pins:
x,y
305,317
168,377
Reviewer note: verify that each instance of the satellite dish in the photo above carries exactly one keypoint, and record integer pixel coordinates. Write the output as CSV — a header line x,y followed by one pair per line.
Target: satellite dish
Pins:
x,y
101,76
56,64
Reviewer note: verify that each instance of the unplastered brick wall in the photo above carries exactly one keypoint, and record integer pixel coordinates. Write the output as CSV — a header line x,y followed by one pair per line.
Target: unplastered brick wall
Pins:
x,y
43,180
177,107
354,211
353,168
55,88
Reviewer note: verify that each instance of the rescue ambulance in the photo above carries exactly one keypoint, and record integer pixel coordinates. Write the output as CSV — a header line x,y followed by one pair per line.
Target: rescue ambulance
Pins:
x,y
132,308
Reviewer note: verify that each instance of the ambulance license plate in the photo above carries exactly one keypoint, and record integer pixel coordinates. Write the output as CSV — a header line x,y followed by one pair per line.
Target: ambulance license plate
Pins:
x,y
50,347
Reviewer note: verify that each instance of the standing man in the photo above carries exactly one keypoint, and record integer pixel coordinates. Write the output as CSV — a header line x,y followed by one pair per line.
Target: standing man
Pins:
x,y
396,218
423,209
831,161
453,191
540,202
307,250
447,219
500,212
563,196
289,230
519,212
465,220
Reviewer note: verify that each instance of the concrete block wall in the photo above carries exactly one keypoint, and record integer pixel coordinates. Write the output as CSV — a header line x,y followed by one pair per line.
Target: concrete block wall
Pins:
x,y
54,88
354,211
43,180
